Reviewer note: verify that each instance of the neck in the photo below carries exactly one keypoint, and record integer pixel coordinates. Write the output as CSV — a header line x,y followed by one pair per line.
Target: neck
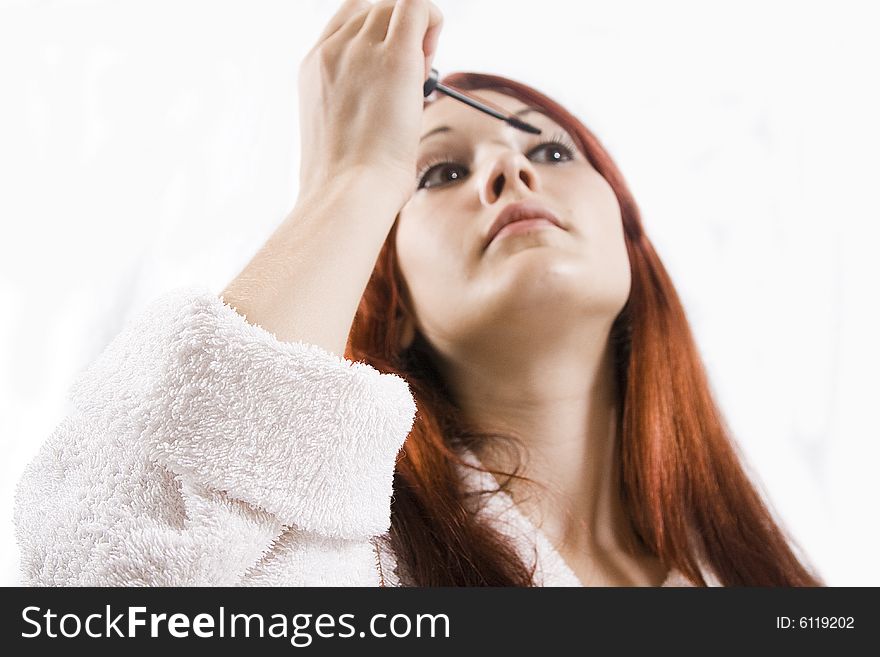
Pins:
x,y
564,408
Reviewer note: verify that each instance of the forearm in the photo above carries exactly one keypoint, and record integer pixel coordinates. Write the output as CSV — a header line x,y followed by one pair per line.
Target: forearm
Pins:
x,y
306,281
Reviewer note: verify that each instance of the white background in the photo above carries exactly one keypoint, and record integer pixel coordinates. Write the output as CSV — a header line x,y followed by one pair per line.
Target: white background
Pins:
x,y
147,145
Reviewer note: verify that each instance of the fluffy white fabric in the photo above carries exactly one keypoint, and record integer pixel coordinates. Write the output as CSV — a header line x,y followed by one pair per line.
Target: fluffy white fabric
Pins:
x,y
203,451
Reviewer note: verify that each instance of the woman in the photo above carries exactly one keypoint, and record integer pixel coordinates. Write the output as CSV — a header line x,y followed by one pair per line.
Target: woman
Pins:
x,y
224,441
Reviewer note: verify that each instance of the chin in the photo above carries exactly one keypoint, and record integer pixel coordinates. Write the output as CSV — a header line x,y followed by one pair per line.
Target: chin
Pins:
x,y
545,262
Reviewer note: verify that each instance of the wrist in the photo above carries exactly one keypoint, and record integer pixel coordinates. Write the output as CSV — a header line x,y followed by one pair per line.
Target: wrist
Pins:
x,y
363,185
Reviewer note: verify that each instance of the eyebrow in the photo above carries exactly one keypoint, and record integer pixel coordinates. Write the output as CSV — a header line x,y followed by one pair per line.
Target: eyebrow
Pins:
x,y
446,128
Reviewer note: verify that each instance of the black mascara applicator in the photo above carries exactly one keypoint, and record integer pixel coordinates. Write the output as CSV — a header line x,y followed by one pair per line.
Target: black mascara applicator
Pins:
x,y
431,84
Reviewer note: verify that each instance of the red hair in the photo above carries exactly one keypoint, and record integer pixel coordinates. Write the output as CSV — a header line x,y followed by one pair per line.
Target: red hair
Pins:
x,y
681,478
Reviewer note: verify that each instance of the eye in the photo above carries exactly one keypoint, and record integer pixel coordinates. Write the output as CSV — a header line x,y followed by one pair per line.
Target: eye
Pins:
x,y
443,164
562,149
559,146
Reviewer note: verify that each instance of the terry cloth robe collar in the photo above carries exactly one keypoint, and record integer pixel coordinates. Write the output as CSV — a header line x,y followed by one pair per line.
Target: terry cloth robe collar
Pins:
x,y
532,544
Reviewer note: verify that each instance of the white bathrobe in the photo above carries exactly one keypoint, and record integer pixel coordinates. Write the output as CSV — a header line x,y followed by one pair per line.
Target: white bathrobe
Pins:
x,y
203,451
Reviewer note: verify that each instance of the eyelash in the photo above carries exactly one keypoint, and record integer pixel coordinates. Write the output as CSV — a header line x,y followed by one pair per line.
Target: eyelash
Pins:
x,y
559,138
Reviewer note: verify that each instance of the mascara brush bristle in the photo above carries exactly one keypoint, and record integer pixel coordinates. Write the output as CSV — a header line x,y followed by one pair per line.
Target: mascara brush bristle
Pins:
x,y
522,125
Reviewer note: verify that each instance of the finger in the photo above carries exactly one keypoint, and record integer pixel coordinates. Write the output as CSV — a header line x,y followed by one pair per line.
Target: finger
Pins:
x,y
435,21
348,9
409,22
432,37
376,26
352,26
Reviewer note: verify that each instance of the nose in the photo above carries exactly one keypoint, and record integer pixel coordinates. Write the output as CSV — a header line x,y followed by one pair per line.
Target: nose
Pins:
x,y
511,169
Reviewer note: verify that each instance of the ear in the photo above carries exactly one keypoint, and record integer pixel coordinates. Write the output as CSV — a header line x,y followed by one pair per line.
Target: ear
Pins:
x,y
407,332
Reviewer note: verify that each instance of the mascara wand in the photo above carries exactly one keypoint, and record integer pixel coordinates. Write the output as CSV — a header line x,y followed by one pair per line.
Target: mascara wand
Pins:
x,y
431,84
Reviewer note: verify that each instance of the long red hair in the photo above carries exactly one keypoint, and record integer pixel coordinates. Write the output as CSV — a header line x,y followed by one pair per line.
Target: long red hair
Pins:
x,y
682,481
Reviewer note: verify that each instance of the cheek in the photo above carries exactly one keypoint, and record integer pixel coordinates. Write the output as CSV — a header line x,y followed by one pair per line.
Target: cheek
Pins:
x,y
612,238
597,216
432,264
427,243
403,249
610,198
604,209
415,256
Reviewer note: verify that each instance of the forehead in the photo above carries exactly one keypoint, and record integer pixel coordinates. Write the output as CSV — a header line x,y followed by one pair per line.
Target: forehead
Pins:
x,y
444,105
450,112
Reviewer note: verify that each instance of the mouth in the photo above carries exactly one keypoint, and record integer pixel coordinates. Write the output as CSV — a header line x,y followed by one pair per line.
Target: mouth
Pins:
x,y
521,217
523,226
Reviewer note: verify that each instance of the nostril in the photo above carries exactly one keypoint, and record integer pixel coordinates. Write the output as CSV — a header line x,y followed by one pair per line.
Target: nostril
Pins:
x,y
499,185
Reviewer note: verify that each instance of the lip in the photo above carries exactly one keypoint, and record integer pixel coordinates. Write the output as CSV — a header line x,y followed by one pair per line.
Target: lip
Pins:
x,y
517,212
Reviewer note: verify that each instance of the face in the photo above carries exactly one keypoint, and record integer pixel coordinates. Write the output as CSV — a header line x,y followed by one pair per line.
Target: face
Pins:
x,y
526,284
